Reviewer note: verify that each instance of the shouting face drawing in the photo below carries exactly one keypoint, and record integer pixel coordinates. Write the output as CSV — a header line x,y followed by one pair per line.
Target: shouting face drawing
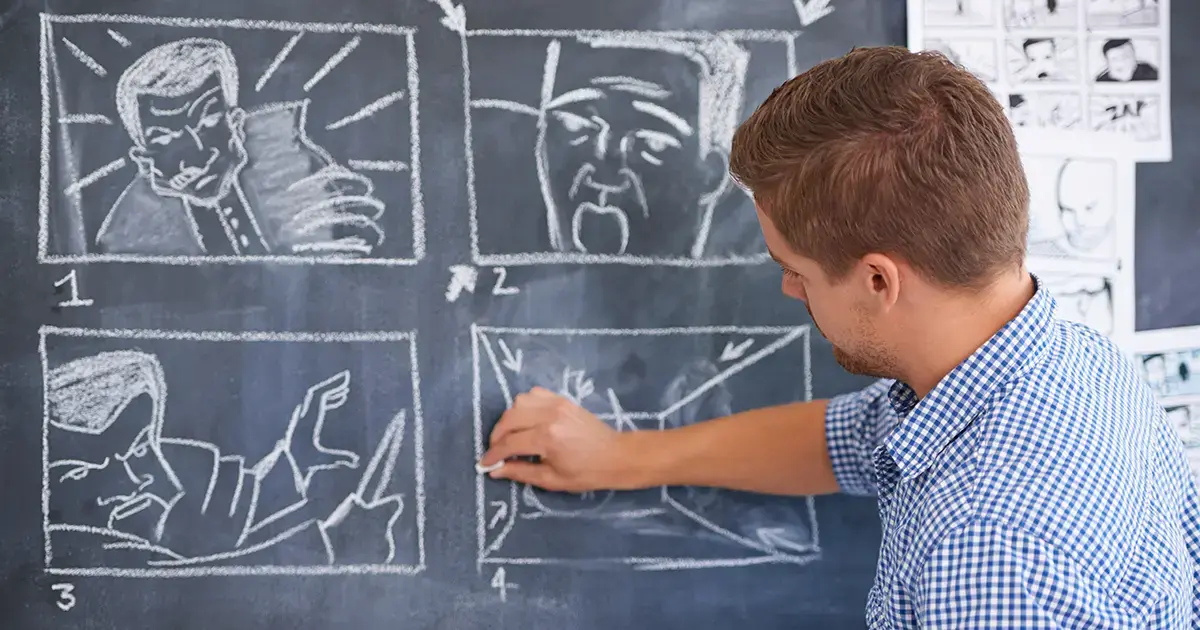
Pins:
x,y
178,103
633,142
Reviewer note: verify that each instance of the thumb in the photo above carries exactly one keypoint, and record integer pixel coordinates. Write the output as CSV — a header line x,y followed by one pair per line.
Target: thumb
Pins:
x,y
540,475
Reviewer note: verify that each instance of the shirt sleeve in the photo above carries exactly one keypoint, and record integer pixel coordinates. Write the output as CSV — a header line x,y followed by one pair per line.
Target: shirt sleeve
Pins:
x,y
855,424
988,575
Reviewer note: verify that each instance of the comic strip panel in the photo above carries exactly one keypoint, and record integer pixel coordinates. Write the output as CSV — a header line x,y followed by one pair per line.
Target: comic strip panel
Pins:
x,y
615,148
1173,372
642,380
1033,60
1122,13
1074,208
976,55
1046,110
273,453
1085,299
1135,116
179,141
1116,60
1021,14
959,12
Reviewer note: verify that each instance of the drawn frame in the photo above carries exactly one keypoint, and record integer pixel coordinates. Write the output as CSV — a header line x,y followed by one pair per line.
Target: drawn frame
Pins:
x,y
787,335
407,337
418,212
787,38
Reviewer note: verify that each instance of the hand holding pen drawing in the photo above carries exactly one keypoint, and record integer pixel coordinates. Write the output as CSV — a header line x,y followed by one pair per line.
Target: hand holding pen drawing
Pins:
x,y
577,450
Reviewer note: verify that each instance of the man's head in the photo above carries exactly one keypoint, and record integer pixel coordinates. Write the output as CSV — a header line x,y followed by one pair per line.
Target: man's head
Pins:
x,y
1085,202
107,469
178,103
1121,59
1154,367
880,176
1041,57
646,138
1181,419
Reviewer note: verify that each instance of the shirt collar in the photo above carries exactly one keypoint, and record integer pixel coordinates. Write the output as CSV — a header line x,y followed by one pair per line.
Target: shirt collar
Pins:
x,y
929,424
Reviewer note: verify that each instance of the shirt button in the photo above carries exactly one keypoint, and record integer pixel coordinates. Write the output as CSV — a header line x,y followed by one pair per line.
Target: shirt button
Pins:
x,y
233,223
245,241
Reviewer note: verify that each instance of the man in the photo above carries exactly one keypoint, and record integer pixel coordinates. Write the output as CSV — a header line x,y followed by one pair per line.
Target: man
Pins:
x,y
1026,476
1084,211
121,494
216,180
634,162
1122,63
1041,61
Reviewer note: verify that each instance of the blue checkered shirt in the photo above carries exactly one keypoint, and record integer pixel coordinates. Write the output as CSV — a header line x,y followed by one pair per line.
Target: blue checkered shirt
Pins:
x,y
1039,485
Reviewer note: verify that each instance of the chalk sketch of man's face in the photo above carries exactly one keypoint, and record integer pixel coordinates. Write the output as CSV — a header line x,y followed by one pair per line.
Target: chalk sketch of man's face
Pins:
x,y
1042,58
621,152
1122,62
1085,202
117,479
188,137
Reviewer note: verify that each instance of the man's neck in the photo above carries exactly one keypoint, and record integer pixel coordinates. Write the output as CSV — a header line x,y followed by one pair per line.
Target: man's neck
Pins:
x,y
228,226
959,325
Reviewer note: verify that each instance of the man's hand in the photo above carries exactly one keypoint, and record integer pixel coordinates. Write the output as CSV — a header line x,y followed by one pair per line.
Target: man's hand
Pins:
x,y
578,451
339,214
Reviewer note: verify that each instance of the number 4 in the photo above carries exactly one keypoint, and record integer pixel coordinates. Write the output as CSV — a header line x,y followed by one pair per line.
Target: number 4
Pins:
x,y
66,596
499,583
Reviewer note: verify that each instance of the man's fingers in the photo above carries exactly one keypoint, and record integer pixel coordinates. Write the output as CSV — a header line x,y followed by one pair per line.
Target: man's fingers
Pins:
x,y
528,411
519,443
538,475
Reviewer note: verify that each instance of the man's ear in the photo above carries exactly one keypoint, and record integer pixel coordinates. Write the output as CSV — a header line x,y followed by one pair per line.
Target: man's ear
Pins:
x,y
717,181
881,276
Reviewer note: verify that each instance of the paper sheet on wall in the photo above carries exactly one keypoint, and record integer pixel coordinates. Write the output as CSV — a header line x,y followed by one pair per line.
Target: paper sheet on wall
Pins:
x,y
1081,238
1169,361
1090,74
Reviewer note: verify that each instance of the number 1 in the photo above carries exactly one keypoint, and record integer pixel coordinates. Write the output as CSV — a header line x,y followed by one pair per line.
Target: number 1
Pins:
x,y
73,282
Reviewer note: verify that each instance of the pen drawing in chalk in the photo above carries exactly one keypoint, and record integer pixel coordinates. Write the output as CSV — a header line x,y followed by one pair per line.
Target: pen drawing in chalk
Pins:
x,y
642,380
617,151
1121,13
1073,208
1116,60
154,467
188,145
1138,116
1043,59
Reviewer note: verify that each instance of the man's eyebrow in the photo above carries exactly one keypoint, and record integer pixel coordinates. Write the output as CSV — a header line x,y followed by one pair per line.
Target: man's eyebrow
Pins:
x,y
640,87
147,131
168,112
664,114
575,96
203,98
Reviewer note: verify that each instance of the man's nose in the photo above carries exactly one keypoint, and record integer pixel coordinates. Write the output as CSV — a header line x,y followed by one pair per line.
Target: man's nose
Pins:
x,y
195,137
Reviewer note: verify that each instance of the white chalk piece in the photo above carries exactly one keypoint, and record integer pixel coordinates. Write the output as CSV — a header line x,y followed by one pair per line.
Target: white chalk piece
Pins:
x,y
487,469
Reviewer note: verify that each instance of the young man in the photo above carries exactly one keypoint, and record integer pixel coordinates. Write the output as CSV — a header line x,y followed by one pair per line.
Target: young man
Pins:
x,y
1026,476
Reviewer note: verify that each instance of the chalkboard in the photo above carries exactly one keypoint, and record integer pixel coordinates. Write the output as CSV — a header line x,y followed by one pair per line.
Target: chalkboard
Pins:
x,y
341,236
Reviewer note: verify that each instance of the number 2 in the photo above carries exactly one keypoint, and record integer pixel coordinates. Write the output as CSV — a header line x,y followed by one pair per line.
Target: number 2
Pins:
x,y
66,595
499,288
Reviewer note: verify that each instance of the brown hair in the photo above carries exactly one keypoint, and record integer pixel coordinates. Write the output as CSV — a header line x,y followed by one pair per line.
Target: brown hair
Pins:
x,y
890,151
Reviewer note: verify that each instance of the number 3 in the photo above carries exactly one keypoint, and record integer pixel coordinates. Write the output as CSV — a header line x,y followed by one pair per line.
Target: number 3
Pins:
x,y
66,597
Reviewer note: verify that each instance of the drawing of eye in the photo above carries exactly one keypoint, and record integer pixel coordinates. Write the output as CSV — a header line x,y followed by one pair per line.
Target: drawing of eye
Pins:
x,y
210,120
656,142
76,474
162,139
574,123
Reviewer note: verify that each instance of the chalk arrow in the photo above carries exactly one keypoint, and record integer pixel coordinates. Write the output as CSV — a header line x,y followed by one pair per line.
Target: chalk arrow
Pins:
x,y
733,353
510,360
462,278
501,513
812,10
456,16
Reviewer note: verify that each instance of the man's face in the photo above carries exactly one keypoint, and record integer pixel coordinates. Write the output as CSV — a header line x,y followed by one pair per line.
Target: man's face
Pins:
x,y
191,145
117,479
620,160
1085,202
1156,371
1041,58
1121,62
1021,114
837,312
1182,421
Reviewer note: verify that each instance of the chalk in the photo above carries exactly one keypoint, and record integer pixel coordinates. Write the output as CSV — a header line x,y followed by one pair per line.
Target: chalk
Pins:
x,y
487,469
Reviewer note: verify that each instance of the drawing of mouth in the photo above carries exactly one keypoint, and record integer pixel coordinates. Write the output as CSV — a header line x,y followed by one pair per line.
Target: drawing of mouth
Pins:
x,y
591,211
129,505
189,174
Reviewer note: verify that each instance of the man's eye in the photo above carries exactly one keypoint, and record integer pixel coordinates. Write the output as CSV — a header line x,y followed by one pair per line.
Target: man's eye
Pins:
x,y
573,123
75,474
162,139
657,141
210,120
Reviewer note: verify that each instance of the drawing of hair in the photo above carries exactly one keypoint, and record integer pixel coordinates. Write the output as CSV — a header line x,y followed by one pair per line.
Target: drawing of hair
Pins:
x,y
172,70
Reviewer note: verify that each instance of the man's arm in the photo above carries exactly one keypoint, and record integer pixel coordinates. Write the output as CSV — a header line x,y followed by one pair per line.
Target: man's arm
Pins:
x,y
805,448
